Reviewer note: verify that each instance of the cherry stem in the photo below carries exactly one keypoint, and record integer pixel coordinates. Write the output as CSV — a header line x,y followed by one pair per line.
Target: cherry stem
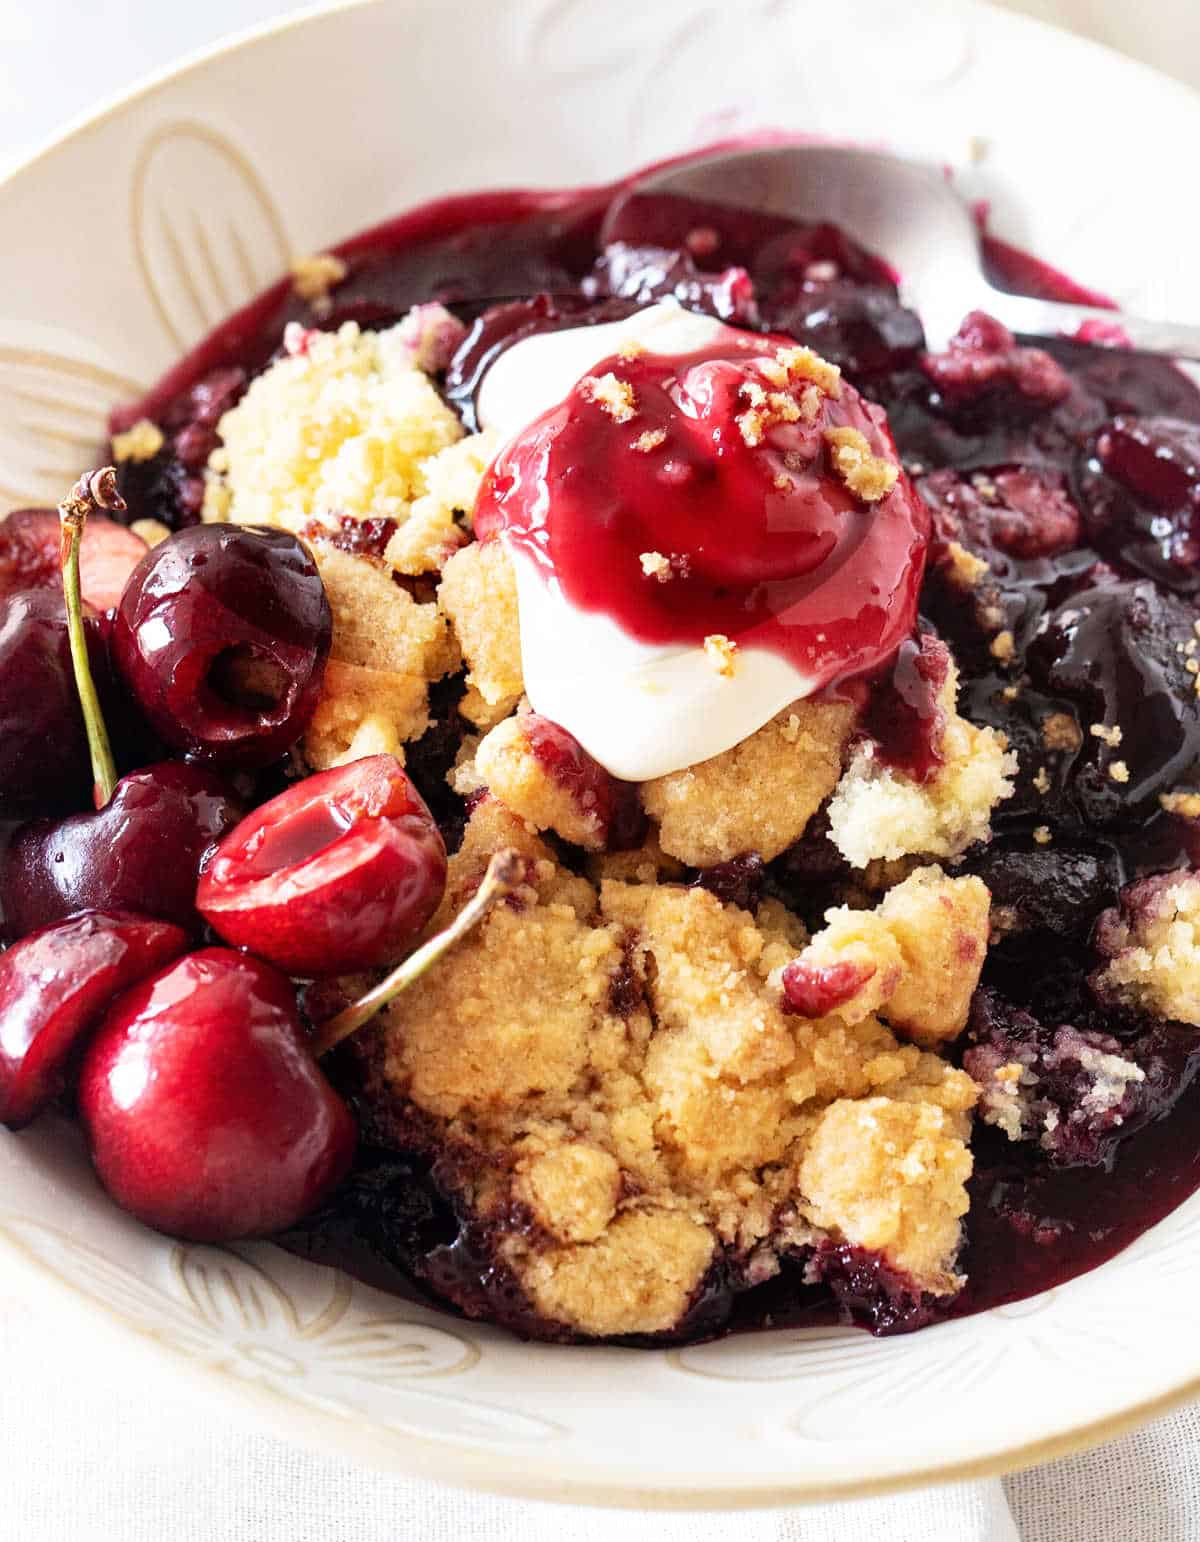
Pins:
x,y
505,871
94,490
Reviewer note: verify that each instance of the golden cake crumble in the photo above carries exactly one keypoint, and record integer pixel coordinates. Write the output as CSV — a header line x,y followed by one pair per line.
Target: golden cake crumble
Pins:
x,y
506,764
618,1065
869,476
140,443
879,812
478,594
758,796
1155,949
315,275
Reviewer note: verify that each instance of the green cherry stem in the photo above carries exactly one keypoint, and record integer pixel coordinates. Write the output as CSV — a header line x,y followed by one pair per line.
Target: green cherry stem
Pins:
x,y
505,871
94,490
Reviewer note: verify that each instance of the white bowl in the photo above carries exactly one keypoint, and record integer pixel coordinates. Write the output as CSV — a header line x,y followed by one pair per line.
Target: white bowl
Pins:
x,y
294,137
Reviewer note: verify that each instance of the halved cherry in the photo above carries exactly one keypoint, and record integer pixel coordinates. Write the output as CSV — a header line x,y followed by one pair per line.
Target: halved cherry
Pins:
x,y
340,872
55,985
205,1109
30,542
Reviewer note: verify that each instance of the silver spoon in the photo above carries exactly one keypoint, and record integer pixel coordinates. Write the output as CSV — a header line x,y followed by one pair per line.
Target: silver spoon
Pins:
x,y
904,212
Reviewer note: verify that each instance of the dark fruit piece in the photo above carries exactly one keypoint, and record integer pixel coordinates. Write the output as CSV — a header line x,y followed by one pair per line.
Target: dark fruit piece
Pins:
x,y
1080,1091
617,806
55,985
984,358
170,486
736,882
869,1291
43,745
340,872
1032,515
1118,654
1140,490
206,1114
864,330
222,636
904,714
1038,889
143,851
1158,458
30,555
645,274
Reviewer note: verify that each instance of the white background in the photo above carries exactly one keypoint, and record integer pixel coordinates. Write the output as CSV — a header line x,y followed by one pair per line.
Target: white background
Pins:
x,y
94,1448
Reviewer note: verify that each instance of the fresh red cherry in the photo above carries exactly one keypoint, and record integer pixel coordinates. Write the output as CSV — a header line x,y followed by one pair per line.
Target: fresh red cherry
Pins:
x,y
152,832
206,1112
43,747
143,851
207,1115
54,987
340,872
30,555
222,636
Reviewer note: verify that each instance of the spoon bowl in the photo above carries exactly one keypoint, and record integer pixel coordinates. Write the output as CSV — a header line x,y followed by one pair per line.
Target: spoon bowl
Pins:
x,y
903,211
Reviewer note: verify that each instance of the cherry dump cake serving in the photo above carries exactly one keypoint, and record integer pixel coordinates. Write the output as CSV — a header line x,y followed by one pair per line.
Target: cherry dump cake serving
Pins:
x,y
652,803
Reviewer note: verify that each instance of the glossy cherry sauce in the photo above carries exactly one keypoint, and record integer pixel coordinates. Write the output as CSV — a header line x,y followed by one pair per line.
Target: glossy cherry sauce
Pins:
x,y
805,569
513,263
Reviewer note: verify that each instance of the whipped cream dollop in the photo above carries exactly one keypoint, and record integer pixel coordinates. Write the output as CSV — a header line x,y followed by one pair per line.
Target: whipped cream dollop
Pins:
x,y
691,554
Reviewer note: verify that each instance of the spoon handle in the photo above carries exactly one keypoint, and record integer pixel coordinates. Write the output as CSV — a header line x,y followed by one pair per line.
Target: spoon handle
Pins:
x,y
1049,318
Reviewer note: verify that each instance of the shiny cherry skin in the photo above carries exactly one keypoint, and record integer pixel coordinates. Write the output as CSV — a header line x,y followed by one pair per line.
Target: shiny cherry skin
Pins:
x,y
206,1113
222,636
30,555
55,985
340,872
43,747
143,851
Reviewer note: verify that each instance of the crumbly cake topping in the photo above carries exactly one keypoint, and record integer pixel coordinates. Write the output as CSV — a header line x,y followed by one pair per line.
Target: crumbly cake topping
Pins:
x,y
869,476
315,275
758,796
879,813
1153,946
622,1077
344,428
695,1116
615,396
721,653
140,443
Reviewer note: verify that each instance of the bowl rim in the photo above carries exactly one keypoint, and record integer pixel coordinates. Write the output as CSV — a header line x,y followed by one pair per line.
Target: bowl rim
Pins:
x,y
476,1468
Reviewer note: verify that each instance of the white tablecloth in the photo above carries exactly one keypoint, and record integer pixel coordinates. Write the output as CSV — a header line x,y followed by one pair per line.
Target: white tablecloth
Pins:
x,y
91,1452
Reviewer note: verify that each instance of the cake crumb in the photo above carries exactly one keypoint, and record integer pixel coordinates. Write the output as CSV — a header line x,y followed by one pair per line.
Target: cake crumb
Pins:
x,y
1182,803
152,531
963,569
1042,835
655,565
751,425
1060,731
1041,781
631,349
315,275
140,443
868,476
1119,771
614,395
650,440
720,653
1010,693
1003,647
804,364
1111,736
